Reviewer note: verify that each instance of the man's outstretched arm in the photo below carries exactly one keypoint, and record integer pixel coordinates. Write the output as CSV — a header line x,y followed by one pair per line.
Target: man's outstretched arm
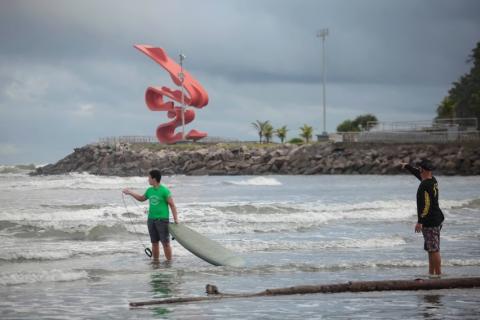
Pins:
x,y
138,197
412,170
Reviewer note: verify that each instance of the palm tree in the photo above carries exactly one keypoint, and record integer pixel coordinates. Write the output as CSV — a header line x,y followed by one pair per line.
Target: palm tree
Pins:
x,y
306,132
260,127
281,133
268,132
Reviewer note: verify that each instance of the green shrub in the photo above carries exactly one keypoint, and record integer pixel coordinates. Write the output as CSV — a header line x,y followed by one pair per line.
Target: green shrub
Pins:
x,y
296,141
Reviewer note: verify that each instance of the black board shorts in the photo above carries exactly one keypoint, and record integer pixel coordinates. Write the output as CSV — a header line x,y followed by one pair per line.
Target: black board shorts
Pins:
x,y
158,230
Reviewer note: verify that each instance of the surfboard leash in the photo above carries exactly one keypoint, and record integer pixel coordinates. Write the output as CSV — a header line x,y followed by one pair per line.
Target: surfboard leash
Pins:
x,y
147,251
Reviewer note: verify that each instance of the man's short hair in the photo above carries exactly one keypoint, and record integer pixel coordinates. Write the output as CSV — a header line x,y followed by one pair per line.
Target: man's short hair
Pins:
x,y
426,164
155,174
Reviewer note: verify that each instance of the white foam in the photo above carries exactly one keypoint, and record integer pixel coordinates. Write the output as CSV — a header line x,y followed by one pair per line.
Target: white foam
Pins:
x,y
16,169
259,245
372,264
41,255
422,263
13,251
462,263
275,217
84,224
105,213
55,275
75,181
257,181
222,217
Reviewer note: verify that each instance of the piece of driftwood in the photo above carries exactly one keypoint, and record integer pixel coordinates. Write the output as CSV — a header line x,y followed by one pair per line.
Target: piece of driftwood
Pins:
x,y
360,286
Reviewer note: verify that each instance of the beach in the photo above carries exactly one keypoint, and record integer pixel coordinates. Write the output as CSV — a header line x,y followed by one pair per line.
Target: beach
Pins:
x,y
72,249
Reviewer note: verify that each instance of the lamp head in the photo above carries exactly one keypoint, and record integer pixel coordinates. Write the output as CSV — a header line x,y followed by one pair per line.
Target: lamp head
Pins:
x,y
322,33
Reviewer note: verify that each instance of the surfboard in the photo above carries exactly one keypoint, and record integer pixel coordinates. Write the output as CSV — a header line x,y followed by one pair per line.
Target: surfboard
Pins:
x,y
203,247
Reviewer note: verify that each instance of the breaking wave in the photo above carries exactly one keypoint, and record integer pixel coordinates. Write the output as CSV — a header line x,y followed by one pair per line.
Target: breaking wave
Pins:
x,y
17,169
74,181
471,204
269,246
229,218
92,222
389,264
257,181
52,251
55,275
296,267
77,231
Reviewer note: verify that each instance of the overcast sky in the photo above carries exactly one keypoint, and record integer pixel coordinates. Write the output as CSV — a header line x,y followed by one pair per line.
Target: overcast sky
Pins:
x,y
69,73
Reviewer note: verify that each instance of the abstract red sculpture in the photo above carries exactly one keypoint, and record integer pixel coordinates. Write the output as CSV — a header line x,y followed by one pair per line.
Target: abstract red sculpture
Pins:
x,y
194,96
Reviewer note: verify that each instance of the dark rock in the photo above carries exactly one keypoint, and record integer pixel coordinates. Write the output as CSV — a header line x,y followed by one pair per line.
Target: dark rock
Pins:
x,y
324,158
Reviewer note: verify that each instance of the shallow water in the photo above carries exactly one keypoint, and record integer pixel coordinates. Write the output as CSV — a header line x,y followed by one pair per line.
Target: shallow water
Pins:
x,y
70,249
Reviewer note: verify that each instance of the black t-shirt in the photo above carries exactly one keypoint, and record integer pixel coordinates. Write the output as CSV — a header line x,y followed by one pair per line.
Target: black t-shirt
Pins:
x,y
428,210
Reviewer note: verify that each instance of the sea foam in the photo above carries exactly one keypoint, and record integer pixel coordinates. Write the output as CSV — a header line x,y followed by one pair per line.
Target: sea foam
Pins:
x,y
284,245
55,275
257,181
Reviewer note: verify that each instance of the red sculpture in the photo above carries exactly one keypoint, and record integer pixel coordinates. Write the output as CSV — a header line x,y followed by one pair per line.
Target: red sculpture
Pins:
x,y
194,96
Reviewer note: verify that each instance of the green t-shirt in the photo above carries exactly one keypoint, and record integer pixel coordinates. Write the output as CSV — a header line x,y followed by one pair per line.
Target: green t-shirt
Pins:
x,y
157,197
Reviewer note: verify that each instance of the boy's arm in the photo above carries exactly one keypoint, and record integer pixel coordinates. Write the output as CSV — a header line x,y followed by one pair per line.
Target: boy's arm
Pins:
x,y
412,170
171,203
138,197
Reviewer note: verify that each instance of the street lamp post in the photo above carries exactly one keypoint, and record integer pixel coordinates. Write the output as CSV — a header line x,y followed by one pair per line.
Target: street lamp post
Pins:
x,y
323,33
181,75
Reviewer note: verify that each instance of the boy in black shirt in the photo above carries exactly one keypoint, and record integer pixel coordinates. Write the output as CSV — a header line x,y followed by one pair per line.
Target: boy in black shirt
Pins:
x,y
430,217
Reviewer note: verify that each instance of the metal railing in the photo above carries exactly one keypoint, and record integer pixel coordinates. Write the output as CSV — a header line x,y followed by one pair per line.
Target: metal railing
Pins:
x,y
437,131
151,139
462,124
128,139
406,137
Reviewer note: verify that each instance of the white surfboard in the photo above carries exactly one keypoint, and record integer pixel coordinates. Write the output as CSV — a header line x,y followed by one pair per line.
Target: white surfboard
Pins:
x,y
204,248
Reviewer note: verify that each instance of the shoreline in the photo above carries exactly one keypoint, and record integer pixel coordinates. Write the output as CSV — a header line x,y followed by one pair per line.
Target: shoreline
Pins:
x,y
124,159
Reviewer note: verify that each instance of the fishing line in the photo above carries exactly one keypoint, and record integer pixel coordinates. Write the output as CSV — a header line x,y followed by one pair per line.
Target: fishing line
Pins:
x,y
148,252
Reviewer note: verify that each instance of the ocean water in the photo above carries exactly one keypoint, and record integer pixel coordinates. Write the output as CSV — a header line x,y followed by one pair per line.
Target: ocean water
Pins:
x,y
71,249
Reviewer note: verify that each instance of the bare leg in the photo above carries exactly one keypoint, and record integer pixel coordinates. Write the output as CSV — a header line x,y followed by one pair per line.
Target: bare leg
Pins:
x,y
437,263
155,251
431,270
167,249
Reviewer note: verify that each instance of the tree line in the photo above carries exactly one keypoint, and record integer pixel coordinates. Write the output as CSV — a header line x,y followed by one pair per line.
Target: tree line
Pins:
x,y
266,131
361,123
463,99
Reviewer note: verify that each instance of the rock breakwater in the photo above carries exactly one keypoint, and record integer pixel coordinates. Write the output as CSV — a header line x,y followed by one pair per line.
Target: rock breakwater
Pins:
x,y
254,159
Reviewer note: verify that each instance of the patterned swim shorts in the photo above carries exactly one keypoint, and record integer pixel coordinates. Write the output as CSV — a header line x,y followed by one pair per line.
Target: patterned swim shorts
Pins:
x,y
431,235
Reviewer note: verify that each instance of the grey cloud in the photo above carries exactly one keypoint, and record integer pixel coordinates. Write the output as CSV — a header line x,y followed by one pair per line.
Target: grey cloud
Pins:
x,y
373,41
69,73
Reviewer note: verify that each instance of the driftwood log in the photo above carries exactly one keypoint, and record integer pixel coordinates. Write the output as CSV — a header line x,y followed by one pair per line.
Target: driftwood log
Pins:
x,y
360,286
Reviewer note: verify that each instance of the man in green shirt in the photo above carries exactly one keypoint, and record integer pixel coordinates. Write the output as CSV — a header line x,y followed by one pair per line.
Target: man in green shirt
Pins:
x,y
160,199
